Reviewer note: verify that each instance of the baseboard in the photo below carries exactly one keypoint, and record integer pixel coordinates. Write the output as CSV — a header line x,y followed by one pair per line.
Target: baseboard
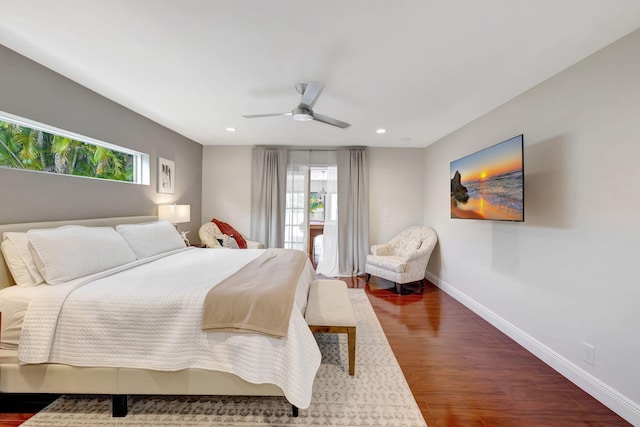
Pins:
x,y
611,398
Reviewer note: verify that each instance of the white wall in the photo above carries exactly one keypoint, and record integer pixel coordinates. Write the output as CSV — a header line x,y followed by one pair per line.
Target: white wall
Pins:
x,y
226,185
396,195
568,274
395,189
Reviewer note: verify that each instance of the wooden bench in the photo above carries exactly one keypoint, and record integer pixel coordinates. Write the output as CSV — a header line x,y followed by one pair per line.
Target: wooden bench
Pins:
x,y
329,311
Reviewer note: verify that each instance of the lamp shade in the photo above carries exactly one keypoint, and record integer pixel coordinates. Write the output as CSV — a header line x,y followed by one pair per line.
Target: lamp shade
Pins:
x,y
175,214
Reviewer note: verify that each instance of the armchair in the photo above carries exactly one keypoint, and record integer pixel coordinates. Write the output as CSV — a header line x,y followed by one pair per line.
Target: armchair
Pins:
x,y
404,258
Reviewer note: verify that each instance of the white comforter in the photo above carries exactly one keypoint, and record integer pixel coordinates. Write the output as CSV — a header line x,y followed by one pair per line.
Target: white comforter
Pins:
x,y
148,315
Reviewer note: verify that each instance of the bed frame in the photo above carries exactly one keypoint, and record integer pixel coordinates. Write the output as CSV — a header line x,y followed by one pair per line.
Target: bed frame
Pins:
x,y
117,382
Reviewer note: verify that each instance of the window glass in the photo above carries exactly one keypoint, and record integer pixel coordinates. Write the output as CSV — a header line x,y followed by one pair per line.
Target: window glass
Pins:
x,y
28,145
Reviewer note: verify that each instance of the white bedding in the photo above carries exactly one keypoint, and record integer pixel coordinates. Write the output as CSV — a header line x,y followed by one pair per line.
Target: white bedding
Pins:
x,y
14,301
147,314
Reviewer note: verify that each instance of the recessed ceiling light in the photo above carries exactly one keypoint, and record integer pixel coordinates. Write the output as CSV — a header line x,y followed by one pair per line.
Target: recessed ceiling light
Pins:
x,y
381,130
231,129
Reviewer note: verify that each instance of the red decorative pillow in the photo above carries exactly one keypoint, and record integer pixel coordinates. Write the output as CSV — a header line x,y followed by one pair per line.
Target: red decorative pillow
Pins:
x,y
230,231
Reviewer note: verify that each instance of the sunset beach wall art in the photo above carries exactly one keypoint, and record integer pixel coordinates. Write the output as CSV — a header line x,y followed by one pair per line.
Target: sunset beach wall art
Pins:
x,y
489,184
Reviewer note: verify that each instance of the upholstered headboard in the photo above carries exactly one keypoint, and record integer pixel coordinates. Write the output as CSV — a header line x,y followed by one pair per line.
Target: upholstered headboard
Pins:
x,y
5,275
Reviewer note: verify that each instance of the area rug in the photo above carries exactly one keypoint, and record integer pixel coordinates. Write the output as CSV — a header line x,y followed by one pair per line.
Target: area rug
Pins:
x,y
378,395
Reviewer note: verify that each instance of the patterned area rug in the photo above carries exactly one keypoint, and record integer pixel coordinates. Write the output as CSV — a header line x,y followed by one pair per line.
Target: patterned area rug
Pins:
x,y
378,395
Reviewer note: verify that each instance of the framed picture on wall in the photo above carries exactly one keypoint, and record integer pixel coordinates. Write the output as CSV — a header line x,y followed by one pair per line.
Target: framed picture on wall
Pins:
x,y
166,176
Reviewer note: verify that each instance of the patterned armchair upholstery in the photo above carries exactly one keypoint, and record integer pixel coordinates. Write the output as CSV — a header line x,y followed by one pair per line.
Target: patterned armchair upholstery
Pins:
x,y
403,259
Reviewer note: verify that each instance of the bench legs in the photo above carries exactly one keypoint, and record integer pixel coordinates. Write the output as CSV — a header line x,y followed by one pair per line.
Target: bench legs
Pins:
x,y
351,340
351,334
329,311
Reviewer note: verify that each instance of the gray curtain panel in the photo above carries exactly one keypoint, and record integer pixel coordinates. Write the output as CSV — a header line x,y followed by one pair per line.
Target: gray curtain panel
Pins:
x,y
268,187
353,210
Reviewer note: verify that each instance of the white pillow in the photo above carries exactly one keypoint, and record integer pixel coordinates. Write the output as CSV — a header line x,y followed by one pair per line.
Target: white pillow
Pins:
x,y
151,238
15,249
66,253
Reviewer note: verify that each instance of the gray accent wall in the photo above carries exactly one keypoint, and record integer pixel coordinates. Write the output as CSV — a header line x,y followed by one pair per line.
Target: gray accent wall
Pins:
x,y
568,275
29,90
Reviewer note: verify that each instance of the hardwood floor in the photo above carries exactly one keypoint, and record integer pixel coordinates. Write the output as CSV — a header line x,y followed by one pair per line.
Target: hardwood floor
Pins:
x,y
461,370
464,372
16,408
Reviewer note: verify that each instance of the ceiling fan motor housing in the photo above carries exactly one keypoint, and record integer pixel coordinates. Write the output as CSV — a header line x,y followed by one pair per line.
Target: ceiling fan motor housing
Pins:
x,y
302,114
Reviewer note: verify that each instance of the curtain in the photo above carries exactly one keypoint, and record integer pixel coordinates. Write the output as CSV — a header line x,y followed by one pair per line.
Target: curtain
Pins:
x,y
353,210
328,263
268,184
296,207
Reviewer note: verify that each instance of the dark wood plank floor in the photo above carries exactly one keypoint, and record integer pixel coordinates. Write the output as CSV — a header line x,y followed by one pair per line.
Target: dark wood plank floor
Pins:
x,y
464,372
17,408
461,370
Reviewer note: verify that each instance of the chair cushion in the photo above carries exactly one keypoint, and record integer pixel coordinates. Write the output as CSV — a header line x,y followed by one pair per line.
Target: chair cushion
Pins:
x,y
391,263
254,245
406,247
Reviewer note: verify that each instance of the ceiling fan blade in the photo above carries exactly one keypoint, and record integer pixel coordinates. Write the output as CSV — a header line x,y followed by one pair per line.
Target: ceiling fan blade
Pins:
x,y
330,121
310,95
255,116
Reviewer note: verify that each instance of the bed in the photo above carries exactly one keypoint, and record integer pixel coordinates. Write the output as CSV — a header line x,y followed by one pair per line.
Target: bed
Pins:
x,y
115,309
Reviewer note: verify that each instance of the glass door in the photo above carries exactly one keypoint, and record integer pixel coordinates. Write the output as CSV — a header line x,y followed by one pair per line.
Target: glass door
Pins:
x,y
317,196
311,206
296,208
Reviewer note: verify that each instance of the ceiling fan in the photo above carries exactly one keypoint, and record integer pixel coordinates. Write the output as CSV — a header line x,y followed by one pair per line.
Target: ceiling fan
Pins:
x,y
310,92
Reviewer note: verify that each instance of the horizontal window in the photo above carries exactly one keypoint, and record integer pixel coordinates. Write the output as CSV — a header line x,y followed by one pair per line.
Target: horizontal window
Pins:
x,y
28,145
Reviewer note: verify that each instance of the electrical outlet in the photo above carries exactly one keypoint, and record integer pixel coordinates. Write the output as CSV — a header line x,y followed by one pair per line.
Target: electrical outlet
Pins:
x,y
588,353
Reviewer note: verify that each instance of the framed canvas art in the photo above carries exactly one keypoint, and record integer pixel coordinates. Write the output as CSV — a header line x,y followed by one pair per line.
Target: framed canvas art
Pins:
x,y
166,176
489,184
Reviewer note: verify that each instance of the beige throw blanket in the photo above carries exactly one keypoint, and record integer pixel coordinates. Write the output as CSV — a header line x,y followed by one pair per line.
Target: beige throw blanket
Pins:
x,y
257,298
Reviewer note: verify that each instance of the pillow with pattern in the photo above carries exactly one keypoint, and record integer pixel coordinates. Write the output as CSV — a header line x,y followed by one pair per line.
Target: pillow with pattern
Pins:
x,y
229,242
230,231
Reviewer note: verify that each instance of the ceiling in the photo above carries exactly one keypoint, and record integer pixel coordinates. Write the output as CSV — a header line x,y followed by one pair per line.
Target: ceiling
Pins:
x,y
418,68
